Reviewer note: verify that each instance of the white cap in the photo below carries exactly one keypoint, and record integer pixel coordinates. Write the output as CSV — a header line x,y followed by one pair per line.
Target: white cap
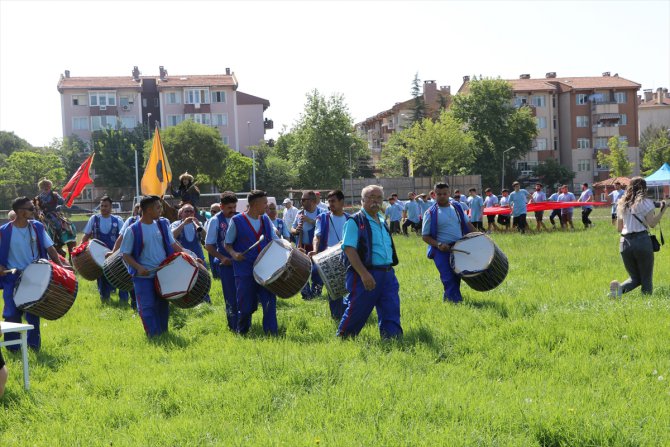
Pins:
x,y
287,200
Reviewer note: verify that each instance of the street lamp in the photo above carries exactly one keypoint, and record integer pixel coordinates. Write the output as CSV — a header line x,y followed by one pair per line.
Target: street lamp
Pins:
x,y
253,156
351,175
502,186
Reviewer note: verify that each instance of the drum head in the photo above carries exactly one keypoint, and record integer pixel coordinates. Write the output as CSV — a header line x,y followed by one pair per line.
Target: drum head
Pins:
x,y
34,282
271,262
98,251
335,250
481,250
176,278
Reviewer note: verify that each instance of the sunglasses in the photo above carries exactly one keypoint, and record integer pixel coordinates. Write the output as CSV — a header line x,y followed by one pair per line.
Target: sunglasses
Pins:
x,y
188,211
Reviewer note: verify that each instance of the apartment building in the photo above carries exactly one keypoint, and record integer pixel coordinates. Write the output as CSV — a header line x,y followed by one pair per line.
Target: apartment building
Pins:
x,y
94,103
654,109
575,118
378,128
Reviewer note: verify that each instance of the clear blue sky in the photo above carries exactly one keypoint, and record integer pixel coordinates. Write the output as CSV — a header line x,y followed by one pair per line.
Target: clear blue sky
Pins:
x,y
367,51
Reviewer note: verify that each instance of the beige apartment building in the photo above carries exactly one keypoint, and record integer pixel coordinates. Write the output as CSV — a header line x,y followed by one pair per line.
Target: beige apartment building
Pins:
x,y
94,103
654,109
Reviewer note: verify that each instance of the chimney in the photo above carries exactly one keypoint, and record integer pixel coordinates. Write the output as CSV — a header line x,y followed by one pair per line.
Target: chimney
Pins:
x,y
136,73
429,92
550,75
67,73
227,71
163,73
648,95
524,76
606,74
466,78
659,95
445,89
665,91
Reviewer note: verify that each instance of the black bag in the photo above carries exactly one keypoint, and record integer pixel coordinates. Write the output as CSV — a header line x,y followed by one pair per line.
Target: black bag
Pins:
x,y
655,245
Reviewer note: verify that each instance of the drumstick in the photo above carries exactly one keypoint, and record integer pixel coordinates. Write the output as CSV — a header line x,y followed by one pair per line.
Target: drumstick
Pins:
x,y
254,245
10,271
460,251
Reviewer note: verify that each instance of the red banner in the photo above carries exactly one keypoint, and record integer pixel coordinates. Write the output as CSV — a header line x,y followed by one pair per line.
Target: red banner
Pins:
x,y
78,182
541,206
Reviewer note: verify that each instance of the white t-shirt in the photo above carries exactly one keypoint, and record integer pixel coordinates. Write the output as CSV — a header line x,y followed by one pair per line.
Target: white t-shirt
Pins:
x,y
630,223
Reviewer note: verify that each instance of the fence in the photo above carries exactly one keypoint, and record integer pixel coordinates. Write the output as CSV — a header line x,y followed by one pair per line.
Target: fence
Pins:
x,y
404,185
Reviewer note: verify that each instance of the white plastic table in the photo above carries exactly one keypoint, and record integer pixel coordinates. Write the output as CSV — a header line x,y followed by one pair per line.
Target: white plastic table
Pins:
x,y
23,329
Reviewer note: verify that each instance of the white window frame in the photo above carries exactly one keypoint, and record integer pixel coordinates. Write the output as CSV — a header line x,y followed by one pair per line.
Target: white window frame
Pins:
x,y
623,138
200,118
539,101
223,122
540,144
173,97
541,122
110,98
107,119
583,143
196,95
216,93
175,120
225,140
584,165
598,144
623,119
80,119
124,119
79,97
581,99
620,97
520,100
583,120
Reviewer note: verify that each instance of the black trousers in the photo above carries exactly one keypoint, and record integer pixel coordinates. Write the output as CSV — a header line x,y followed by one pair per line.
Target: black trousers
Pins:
x,y
585,216
415,226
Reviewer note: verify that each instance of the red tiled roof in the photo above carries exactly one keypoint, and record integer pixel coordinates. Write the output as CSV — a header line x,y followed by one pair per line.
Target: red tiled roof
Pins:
x,y
531,85
598,82
611,181
654,103
99,82
220,80
244,99
564,84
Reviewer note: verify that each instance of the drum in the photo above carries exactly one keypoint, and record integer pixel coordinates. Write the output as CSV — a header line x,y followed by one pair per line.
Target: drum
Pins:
x,y
45,289
116,272
282,269
485,267
182,280
88,259
332,271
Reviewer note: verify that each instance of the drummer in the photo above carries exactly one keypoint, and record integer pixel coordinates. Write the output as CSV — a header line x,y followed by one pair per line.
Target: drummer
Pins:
x,y
187,231
281,227
106,228
443,224
303,227
328,233
137,213
245,230
21,242
370,279
222,263
146,244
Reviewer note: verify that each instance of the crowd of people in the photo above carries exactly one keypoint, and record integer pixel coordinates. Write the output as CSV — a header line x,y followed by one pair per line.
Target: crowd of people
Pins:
x,y
233,241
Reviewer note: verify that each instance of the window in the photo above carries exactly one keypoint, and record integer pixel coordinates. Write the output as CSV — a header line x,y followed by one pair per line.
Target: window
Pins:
x,y
144,102
225,140
520,101
79,100
541,144
102,122
553,101
220,119
584,165
539,101
173,120
623,139
128,122
522,166
601,143
156,103
555,143
196,96
102,98
201,118
80,123
582,99
583,143
555,122
620,97
219,96
124,101
623,119
173,97
582,121
541,122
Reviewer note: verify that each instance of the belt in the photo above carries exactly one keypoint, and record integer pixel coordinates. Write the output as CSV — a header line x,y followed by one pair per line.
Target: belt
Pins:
x,y
381,268
635,235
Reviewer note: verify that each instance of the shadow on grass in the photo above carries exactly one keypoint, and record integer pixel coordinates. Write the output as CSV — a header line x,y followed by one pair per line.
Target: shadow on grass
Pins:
x,y
497,306
170,340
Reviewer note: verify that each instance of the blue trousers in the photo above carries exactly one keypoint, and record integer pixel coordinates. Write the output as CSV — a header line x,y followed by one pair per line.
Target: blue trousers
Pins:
x,y
213,267
336,308
450,280
249,294
360,302
315,283
154,311
14,315
105,289
229,293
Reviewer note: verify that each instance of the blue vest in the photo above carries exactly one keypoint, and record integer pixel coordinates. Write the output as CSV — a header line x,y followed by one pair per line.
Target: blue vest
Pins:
x,y
324,218
365,241
433,210
246,237
310,233
6,237
193,245
108,238
221,230
138,242
280,226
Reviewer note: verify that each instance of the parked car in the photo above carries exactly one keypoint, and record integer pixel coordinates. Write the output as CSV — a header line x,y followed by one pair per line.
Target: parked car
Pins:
x,y
74,209
116,208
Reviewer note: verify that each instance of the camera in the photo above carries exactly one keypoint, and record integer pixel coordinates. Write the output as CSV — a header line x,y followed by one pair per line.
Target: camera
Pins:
x,y
199,229
657,204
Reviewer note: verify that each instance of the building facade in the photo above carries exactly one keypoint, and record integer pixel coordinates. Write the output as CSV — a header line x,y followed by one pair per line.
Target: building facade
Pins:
x,y
654,109
94,103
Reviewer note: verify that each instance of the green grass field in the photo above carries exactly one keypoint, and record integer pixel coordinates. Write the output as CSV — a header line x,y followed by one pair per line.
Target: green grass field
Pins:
x,y
546,359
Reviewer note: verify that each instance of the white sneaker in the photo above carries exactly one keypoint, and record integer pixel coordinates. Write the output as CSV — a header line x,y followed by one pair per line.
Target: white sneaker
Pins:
x,y
615,289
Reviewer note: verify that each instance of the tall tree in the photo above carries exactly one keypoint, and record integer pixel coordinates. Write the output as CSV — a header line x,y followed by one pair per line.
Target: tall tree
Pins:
x,y
496,125
617,159
71,150
236,172
419,108
22,171
9,143
115,155
655,145
395,156
553,173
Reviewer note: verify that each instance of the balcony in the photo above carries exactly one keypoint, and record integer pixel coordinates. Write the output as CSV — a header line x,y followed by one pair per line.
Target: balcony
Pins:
x,y
605,131
598,108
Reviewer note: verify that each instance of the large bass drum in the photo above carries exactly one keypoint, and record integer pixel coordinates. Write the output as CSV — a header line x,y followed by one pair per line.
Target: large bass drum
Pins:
x,y
116,272
479,261
88,259
45,289
282,269
332,271
182,280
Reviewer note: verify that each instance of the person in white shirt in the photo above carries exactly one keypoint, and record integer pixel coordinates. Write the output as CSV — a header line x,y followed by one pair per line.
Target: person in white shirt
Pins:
x,y
538,197
319,204
490,201
635,215
586,196
614,199
289,213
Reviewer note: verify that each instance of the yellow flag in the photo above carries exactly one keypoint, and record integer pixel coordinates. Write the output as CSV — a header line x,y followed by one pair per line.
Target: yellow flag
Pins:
x,y
157,174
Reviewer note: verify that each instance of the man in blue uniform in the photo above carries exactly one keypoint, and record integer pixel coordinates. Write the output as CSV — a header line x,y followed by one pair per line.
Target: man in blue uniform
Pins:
x,y
490,201
614,198
444,224
188,231
586,196
518,200
412,214
303,226
538,197
329,232
106,228
214,243
22,241
371,281
476,204
245,230
281,227
137,213
146,244
394,214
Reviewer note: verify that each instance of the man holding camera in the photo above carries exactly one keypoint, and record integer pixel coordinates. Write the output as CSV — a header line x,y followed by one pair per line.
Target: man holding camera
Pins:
x,y
188,232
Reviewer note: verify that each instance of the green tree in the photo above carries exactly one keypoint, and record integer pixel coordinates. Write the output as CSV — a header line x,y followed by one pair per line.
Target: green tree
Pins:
x,y
22,171
656,149
236,171
488,114
419,108
10,143
617,159
71,150
395,156
552,173
114,162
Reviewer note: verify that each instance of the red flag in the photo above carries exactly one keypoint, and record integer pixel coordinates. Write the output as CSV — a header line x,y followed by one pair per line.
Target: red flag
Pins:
x,y
78,182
